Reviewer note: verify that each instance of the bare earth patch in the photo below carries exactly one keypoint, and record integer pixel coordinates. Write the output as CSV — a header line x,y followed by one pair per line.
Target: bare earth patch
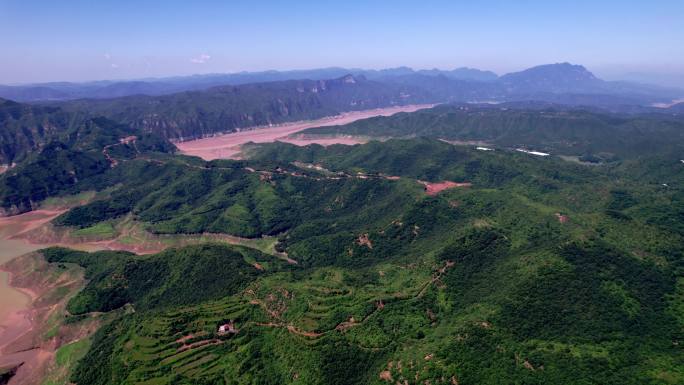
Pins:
x,y
363,240
436,188
228,145
562,218
15,226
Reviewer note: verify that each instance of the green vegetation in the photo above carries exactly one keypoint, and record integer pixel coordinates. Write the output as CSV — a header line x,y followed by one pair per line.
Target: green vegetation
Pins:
x,y
66,359
539,271
100,230
531,270
69,354
66,164
26,128
595,136
543,271
174,277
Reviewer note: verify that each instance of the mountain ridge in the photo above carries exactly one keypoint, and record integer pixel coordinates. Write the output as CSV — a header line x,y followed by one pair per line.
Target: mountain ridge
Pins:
x,y
196,114
55,91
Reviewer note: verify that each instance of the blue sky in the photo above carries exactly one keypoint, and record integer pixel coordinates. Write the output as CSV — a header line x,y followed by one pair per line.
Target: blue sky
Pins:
x,y
101,39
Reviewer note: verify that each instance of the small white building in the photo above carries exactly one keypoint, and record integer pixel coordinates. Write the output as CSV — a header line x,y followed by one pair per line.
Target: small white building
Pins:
x,y
537,153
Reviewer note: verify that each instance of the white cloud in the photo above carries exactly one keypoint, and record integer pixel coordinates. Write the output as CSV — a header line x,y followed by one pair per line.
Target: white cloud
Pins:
x,y
114,65
201,59
107,56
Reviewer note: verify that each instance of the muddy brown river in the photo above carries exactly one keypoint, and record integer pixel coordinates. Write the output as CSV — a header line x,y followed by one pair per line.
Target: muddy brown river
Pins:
x,y
11,300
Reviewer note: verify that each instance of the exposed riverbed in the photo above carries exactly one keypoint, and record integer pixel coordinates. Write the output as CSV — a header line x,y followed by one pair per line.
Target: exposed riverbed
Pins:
x,y
12,300
17,317
228,145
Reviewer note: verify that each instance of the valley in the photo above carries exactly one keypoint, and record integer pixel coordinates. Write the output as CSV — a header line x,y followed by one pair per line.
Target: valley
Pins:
x,y
225,146
257,234
341,193
364,254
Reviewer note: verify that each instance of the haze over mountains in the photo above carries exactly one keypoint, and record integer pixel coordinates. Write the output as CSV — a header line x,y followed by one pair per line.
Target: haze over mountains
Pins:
x,y
205,109
161,86
536,81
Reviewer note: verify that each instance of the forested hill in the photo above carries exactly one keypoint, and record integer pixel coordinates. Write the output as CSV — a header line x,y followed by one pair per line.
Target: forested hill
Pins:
x,y
71,156
25,128
556,130
537,271
223,109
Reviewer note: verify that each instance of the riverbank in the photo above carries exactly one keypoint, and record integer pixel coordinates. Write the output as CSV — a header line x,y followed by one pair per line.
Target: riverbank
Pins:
x,y
228,145
34,334
34,294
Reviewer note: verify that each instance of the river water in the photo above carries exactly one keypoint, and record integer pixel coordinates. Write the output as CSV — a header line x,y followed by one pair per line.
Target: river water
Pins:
x,y
12,300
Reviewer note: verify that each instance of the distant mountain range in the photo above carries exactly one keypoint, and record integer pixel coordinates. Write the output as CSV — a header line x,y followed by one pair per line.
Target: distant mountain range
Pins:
x,y
162,86
25,128
541,82
200,113
194,114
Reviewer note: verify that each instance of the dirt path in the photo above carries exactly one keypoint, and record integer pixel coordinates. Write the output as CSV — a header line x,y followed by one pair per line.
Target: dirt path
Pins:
x,y
228,145
105,150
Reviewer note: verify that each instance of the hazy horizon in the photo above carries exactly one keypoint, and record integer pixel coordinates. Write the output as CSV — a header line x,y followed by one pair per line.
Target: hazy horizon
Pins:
x,y
673,79
121,40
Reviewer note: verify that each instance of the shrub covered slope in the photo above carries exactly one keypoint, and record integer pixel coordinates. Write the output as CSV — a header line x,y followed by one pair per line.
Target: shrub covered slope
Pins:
x,y
541,271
